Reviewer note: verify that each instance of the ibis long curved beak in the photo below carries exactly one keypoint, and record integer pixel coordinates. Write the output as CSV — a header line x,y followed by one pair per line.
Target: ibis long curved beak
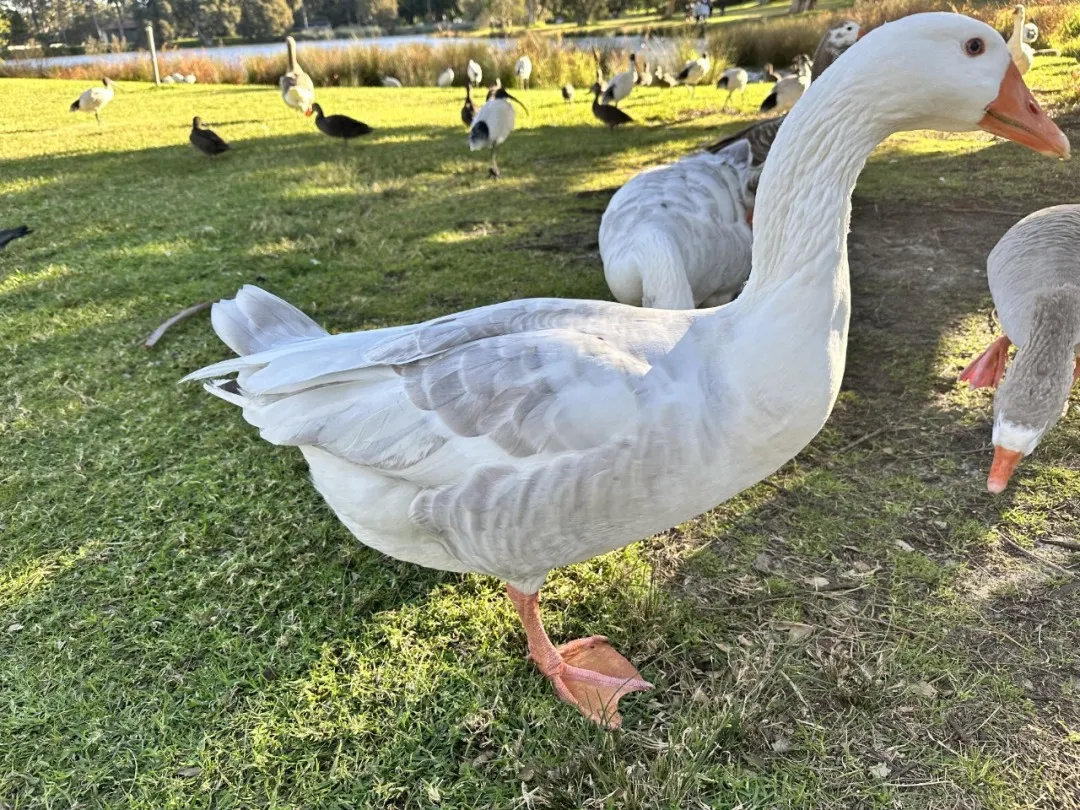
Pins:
x,y
1017,116
1002,468
519,103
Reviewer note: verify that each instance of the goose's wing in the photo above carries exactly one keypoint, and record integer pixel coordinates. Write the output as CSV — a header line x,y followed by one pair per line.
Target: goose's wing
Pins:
x,y
497,385
760,136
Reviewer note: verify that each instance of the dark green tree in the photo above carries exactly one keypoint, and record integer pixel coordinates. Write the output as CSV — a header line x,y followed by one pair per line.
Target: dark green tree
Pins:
x,y
264,19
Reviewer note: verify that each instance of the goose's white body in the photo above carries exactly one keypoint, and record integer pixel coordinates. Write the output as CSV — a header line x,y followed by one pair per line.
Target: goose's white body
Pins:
x,y
446,78
676,237
474,72
297,89
621,84
190,78
523,70
527,435
1022,54
390,81
168,80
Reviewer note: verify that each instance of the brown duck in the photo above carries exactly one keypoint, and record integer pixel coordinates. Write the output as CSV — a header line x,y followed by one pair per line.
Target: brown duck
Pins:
x,y
206,140
339,126
606,114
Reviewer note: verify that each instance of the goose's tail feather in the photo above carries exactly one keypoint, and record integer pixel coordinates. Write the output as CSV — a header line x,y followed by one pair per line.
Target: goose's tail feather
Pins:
x,y
74,106
256,321
769,103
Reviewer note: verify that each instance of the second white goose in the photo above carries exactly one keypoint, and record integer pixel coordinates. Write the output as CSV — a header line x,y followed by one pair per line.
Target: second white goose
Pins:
x,y
677,236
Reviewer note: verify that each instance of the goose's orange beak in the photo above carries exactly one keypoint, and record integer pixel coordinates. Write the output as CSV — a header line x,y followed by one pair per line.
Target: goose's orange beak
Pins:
x,y
1002,468
1017,116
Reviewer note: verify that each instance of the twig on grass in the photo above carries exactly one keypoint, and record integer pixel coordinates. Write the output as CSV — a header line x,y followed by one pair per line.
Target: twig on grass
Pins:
x,y
155,336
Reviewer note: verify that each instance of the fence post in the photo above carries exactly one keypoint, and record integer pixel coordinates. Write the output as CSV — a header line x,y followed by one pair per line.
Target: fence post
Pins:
x,y
153,53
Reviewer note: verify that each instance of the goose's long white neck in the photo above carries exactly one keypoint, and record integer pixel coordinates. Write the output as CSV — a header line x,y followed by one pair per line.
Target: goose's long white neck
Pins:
x,y
1018,26
803,206
789,326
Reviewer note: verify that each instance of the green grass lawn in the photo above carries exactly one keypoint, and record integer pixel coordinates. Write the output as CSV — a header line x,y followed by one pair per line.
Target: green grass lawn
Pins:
x,y
186,625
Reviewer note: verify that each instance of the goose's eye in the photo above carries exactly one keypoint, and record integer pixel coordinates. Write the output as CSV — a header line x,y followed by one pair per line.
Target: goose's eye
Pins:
x,y
974,46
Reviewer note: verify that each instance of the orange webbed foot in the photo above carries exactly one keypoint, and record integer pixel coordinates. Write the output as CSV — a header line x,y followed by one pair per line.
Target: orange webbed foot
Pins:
x,y
986,370
594,676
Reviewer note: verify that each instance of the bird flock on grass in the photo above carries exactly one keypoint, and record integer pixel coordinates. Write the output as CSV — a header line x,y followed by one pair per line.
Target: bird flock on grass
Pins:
x,y
519,437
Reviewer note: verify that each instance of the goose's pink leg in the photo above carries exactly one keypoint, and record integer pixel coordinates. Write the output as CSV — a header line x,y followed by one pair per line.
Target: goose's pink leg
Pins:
x,y
588,673
986,370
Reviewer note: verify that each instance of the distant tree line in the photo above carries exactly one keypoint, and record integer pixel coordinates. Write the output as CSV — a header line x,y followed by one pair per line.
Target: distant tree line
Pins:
x,y
97,23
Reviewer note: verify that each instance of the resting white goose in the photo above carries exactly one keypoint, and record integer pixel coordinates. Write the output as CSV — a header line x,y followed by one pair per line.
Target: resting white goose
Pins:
x,y
761,135
523,70
95,99
734,80
297,89
1022,53
677,236
1034,275
621,84
446,78
520,437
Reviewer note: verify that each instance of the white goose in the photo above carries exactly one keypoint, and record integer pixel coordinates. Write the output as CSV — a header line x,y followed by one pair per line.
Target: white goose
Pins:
x,y
297,89
621,84
1022,53
95,99
523,70
520,437
474,72
493,125
694,71
677,236
1035,281
446,78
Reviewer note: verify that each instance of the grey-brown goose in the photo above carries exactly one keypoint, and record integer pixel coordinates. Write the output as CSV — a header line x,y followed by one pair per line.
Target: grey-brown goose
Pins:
x,y
206,140
1034,275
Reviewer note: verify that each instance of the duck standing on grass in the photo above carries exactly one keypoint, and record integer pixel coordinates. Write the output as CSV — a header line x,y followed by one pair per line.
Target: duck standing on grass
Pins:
x,y
297,89
605,113
493,125
206,140
527,435
95,99
468,109
1034,275
339,126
